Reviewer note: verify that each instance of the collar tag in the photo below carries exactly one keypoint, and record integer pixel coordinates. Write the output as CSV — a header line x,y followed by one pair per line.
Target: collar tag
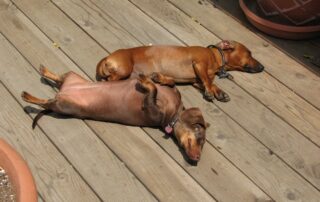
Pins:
x,y
168,129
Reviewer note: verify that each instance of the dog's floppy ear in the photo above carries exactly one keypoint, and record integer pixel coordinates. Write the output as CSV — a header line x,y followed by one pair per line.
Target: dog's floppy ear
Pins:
x,y
226,44
193,116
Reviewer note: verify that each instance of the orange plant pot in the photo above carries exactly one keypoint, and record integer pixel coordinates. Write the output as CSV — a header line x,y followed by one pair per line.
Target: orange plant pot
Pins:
x,y
18,172
276,29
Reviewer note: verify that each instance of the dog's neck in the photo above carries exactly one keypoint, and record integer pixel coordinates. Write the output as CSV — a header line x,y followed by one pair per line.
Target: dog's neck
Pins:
x,y
170,125
221,62
219,56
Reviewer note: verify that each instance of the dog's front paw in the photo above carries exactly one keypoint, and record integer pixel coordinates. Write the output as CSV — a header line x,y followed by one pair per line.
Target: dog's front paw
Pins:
x,y
222,96
162,80
155,77
141,85
142,78
208,96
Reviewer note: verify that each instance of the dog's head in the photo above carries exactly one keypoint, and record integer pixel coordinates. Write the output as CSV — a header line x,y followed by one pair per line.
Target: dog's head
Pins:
x,y
190,131
238,57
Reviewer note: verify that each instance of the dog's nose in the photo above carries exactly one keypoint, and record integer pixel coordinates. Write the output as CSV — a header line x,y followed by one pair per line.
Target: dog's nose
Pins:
x,y
260,67
196,157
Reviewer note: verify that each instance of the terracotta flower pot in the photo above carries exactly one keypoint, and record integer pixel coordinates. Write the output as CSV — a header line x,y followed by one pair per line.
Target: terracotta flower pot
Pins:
x,y
19,173
250,8
297,12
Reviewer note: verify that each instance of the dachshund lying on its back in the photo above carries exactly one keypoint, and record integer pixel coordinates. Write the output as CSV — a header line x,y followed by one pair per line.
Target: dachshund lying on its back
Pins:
x,y
137,102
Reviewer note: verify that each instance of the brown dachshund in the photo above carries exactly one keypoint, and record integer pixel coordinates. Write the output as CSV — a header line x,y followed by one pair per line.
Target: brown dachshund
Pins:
x,y
137,102
177,64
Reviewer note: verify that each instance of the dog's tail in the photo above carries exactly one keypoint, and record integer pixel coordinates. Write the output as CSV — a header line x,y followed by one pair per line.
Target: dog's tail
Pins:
x,y
39,115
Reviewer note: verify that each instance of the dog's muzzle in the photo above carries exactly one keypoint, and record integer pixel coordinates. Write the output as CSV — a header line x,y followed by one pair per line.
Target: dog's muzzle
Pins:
x,y
257,69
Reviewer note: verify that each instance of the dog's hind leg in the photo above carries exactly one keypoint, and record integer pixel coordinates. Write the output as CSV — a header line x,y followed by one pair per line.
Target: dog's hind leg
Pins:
x,y
45,73
149,104
46,104
66,79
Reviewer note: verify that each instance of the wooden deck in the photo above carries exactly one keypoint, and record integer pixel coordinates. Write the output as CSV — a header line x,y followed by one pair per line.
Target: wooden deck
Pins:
x,y
263,145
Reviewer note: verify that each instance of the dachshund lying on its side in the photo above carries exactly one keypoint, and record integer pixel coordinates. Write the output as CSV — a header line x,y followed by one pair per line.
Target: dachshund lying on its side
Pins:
x,y
137,102
177,64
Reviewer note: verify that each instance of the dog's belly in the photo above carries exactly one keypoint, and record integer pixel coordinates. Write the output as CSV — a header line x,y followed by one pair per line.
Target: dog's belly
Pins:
x,y
113,102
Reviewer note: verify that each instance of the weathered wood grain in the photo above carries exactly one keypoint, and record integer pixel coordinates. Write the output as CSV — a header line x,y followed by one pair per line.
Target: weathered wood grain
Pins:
x,y
102,21
214,172
55,178
132,145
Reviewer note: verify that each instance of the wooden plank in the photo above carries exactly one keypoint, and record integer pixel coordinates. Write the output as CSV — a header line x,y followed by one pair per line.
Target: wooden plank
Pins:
x,y
40,199
109,177
281,138
291,73
228,180
100,19
294,181
55,178
144,157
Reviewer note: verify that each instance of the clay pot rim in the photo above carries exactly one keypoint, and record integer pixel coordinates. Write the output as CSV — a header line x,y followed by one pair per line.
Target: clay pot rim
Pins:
x,y
19,172
276,26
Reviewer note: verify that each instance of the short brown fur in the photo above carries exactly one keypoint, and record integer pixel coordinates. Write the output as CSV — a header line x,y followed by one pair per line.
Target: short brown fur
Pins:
x,y
176,64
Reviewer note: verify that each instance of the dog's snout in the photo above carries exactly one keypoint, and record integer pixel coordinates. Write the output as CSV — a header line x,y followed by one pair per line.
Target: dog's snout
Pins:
x,y
256,69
